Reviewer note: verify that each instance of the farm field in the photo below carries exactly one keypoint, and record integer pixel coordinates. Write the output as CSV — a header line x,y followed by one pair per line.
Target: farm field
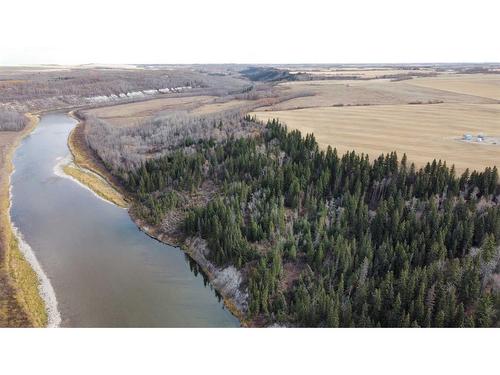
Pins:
x,y
218,107
132,113
483,85
128,114
374,92
424,132
361,72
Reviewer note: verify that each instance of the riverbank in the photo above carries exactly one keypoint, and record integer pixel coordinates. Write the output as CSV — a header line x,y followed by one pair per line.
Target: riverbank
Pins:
x,y
227,281
86,169
87,178
21,304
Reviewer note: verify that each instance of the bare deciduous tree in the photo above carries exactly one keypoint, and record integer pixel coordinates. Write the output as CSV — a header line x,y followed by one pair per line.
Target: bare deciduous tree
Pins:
x,y
12,120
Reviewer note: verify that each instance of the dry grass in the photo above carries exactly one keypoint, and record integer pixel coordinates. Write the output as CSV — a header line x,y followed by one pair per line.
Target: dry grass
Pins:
x,y
423,132
96,183
219,107
11,82
360,72
131,113
482,85
20,302
377,92
89,170
12,313
26,284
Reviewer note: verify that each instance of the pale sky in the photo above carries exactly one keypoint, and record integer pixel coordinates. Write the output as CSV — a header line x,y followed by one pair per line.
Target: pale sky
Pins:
x,y
253,31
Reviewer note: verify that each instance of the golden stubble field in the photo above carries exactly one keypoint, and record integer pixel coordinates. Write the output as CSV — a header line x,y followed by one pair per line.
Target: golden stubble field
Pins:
x,y
367,72
219,107
128,114
482,85
325,93
131,113
422,117
423,132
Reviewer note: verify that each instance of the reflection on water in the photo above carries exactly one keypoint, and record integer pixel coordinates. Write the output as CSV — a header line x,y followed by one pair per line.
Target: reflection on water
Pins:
x,y
105,272
197,270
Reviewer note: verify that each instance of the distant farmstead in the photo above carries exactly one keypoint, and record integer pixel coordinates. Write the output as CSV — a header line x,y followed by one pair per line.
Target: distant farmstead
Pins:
x,y
479,138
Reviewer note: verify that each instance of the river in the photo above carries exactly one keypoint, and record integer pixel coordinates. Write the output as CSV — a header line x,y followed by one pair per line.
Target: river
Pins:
x,y
104,272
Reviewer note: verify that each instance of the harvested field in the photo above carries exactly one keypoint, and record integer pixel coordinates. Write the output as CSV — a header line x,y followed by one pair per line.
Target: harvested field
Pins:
x,y
376,92
364,73
423,132
482,85
219,107
131,113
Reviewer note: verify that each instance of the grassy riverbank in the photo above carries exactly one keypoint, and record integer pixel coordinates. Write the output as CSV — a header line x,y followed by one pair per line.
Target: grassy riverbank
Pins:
x,y
95,183
89,172
20,302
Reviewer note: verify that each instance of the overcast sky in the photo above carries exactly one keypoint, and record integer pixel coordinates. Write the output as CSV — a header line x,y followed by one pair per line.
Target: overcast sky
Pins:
x,y
253,31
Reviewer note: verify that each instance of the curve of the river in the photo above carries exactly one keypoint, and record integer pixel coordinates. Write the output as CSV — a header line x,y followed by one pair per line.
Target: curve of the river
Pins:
x,y
99,270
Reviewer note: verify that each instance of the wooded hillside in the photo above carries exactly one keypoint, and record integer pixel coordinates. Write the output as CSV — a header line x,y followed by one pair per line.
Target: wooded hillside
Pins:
x,y
326,239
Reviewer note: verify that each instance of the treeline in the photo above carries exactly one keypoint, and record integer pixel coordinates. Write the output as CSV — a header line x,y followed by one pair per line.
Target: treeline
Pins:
x,y
339,241
26,85
12,120
127,148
